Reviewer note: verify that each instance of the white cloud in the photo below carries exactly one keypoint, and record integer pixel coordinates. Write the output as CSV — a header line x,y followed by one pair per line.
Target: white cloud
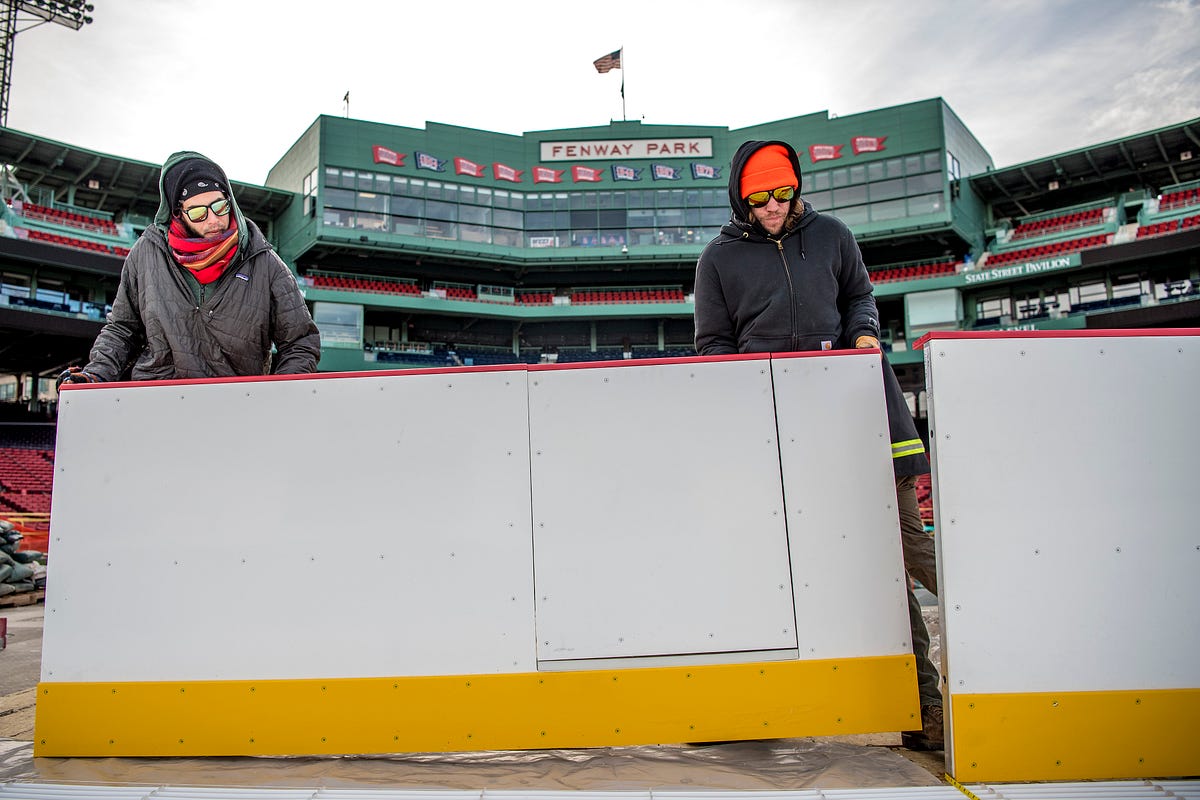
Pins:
x,y
241,81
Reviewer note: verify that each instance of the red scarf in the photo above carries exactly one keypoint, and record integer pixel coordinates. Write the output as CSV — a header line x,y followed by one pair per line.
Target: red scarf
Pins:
x,y
205,258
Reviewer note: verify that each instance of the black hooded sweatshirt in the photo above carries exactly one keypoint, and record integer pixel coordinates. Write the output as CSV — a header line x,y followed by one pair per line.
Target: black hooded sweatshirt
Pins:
x,y
805,289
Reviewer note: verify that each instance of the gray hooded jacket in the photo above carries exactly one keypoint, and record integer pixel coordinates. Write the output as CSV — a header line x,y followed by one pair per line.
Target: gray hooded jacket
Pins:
x,y
158,330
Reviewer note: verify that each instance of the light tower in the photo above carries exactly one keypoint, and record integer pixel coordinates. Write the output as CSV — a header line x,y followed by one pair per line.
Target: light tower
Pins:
x,y
31,13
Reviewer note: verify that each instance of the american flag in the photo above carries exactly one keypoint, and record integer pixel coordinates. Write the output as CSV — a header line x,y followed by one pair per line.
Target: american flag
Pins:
x,y
610,61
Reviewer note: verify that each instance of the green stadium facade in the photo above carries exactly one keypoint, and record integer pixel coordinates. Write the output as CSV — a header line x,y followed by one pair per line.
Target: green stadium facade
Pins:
x,y
452,246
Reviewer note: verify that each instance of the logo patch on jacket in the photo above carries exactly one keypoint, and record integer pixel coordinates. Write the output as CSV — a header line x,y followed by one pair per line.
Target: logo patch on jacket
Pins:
x,y
826,345
246,278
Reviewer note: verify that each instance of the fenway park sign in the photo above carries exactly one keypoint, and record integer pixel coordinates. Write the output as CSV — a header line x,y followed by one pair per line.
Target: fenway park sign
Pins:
x,y
609,149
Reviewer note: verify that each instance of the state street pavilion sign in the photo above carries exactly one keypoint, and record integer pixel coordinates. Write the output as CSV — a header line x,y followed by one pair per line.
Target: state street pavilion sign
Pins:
x,y
598,149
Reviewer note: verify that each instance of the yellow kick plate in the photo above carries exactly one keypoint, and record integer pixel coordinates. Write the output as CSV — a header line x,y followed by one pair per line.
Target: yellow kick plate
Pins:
x,y
1076,735
478,712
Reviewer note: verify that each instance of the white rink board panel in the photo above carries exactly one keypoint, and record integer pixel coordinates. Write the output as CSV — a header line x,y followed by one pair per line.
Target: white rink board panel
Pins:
x,y
840,490
658,511
322,527
1065,481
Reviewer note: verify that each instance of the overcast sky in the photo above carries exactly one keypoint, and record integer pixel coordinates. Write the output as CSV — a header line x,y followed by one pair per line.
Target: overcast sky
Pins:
x,y
241,80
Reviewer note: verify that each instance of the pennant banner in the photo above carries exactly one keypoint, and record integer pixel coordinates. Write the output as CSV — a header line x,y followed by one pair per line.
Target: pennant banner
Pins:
x,y
705,171
426,161
586,174
547,175
824,152
503,172
662,172
464,167
383,155
623,173
867,144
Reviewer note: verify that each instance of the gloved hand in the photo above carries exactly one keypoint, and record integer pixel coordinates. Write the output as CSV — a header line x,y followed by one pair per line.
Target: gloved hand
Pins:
x,y
74,375
866,341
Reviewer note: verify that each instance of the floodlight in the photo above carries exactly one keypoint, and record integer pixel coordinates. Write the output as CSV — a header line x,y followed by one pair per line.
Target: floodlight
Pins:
x,y
17,16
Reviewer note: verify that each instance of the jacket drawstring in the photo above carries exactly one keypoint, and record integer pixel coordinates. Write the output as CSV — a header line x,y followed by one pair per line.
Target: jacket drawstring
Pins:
x,y
803,257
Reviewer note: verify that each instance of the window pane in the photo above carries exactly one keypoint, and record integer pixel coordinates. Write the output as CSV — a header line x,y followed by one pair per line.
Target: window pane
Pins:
x,y
409,226
932,162
368,201
339,198
438,229
506,238
855,215
858,174
408,206
480,234
438,210
875,171
819,200
539,220
923,184
507,219
370,222
475,214
840,177
849,196
612,218
891,209
928,204
887,190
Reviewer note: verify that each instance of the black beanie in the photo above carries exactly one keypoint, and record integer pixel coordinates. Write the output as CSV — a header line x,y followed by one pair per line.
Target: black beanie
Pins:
x,y
191,177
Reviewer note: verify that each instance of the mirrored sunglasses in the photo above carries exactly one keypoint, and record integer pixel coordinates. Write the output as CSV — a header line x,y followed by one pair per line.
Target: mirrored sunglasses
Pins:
x,y
200,213
759,199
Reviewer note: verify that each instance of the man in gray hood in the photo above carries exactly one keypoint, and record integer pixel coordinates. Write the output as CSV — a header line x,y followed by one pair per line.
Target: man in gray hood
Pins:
x,y
202,293
782,277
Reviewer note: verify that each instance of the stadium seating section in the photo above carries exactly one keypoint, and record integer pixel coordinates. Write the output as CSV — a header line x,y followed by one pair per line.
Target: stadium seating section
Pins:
x,y
26,476
596,296
1048,250
1058,224
1179,198
459,293
913,272
60,217
534,298
1169,226
370,285
70,241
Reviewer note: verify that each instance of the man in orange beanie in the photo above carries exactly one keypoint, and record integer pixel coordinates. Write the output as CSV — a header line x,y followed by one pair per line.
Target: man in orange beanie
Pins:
x,y
782,277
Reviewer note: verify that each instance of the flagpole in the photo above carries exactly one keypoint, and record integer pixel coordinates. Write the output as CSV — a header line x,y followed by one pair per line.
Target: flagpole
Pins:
x,y
622,51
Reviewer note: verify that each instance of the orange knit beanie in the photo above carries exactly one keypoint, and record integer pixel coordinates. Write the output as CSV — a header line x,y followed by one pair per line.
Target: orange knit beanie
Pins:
x,y
768,168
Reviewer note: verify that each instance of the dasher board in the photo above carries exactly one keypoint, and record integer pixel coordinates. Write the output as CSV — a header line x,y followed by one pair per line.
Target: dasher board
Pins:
x,y
363,548
1064,494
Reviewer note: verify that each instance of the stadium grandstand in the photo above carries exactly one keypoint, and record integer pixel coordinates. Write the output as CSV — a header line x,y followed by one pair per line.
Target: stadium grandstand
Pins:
x,y
452,246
